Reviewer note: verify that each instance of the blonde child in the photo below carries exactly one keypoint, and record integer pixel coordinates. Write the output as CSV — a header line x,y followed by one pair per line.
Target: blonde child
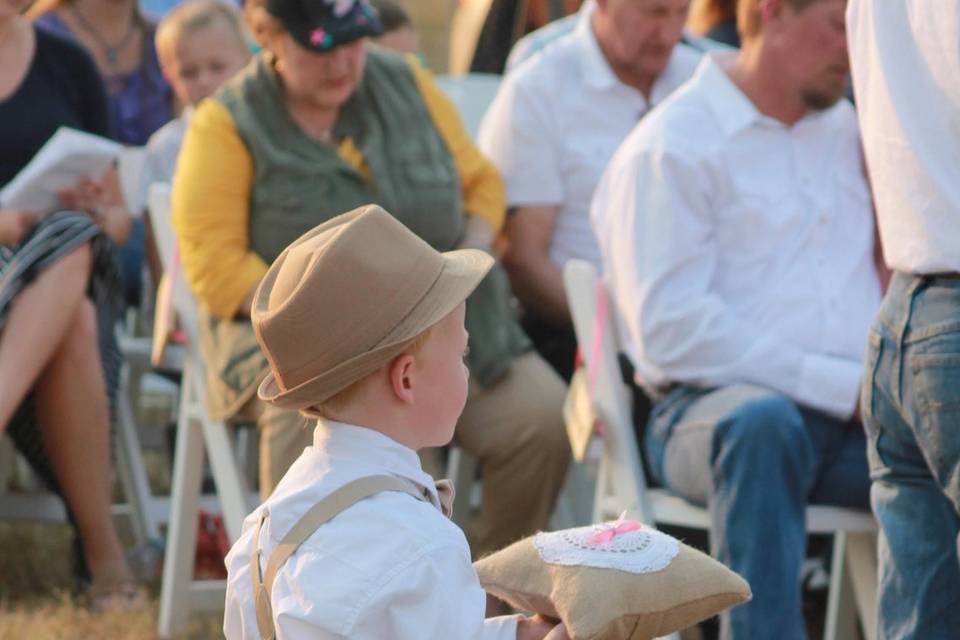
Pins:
x,y
201,44
362,323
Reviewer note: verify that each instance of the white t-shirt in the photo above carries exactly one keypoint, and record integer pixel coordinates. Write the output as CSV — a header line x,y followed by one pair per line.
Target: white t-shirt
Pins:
x,y
905,56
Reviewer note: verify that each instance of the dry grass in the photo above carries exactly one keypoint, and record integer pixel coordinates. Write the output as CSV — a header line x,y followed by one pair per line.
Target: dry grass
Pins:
x,y
35,598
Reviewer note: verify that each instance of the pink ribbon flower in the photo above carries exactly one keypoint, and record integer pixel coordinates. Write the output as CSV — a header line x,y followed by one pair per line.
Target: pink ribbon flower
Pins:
x,y
317,35
616,528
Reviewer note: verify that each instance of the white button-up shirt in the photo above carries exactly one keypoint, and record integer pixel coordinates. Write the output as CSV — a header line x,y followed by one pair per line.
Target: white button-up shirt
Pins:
x,y
556,122
389,566
906,74
740,250
160,159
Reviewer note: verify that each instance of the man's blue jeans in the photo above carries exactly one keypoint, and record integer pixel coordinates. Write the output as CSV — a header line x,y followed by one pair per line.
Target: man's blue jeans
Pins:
x,y
911,410
756,460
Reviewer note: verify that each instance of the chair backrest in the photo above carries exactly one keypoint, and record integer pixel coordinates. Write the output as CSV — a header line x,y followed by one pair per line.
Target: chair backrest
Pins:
x,y
472,94
161,224
621,466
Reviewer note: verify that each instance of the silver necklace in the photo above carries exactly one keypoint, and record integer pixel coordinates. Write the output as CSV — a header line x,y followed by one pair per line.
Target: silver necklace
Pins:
x,y
112,52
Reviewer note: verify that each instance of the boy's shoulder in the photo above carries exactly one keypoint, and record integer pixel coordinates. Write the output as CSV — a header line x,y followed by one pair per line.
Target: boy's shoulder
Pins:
x,y
356,559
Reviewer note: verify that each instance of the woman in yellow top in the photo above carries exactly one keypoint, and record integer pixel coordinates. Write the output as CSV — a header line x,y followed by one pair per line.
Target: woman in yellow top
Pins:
x,y
319,124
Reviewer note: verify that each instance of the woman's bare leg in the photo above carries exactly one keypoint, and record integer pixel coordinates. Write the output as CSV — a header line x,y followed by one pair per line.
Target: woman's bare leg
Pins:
x,y
74,417
36,323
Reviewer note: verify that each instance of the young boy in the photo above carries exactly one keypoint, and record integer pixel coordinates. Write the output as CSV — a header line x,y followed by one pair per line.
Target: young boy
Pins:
x,y
201,44
362,323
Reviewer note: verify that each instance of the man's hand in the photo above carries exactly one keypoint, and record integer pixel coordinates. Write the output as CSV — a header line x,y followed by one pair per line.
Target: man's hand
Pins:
x,y
540,628
14,225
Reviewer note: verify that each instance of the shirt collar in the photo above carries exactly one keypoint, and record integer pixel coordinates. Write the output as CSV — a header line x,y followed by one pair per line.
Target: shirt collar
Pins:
x,y
597,73
733,108
372,448
594,67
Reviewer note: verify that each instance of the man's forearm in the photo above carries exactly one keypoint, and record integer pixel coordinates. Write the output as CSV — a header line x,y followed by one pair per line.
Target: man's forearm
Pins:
x,y
538,283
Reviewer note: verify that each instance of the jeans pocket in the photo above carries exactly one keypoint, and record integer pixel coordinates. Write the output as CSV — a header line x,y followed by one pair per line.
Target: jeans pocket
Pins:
x,y
869,381
869,388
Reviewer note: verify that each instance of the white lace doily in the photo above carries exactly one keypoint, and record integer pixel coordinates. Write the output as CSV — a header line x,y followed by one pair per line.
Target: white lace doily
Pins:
x,y
624,545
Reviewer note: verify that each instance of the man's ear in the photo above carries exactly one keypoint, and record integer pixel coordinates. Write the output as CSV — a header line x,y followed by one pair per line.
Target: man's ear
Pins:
x,y
401,374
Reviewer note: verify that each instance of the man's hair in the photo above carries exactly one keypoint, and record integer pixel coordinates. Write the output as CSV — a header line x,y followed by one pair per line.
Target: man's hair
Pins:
x,y
346,396
193,16
748,15
393,15
706,14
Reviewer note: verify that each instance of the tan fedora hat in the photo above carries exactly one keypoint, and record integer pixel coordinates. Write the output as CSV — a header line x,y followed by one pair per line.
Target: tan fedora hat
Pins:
x,y
347,297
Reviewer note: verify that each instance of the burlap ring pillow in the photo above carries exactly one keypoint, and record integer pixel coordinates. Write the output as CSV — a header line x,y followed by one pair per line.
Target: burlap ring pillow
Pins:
x,y
615,581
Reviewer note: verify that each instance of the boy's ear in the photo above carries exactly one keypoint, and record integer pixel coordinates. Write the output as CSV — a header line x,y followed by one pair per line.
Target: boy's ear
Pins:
x,y
401,378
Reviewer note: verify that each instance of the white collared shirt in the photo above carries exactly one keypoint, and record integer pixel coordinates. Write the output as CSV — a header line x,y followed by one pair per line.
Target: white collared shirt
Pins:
x,y
905,57
740,250
556,122
389,566
160,159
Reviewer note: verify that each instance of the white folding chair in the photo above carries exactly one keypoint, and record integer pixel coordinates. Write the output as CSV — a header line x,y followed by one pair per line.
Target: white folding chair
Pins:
x,y
196,434
621,484
472,94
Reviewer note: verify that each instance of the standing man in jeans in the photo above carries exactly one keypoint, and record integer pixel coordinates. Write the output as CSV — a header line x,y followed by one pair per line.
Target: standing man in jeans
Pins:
x,y
906,73
736,230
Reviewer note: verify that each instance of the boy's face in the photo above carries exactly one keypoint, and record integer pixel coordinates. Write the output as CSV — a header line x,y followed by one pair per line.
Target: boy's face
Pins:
x,y
442,378
204,59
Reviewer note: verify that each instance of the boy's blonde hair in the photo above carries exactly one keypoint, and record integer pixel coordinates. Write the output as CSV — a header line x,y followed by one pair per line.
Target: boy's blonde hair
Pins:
x,y
338,402
192,16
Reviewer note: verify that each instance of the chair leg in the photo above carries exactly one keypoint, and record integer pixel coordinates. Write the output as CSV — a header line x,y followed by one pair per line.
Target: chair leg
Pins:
x,y
184,507
131,466
862,565
462,469
231,483
841,621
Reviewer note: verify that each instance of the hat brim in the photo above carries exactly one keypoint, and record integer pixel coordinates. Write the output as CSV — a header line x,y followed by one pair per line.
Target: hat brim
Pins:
x,y
462,271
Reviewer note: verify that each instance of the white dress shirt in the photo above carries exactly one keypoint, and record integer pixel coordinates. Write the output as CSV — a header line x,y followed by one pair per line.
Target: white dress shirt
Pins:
x,y
905,57
160,161
556,122
389,566
739,249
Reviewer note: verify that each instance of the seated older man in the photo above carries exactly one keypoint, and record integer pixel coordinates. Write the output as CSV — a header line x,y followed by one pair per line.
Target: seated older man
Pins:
x,y
737,236
553,127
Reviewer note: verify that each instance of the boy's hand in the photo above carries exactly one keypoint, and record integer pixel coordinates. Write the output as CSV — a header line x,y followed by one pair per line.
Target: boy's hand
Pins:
x,y
14,225
540,628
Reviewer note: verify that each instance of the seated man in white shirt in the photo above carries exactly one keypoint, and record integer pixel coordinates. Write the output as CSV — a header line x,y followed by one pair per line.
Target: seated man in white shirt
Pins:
x,y
737,236
362,323
554,125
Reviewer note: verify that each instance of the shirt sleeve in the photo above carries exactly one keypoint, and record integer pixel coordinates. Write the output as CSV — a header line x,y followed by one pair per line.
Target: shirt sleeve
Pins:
x,y
433,596
654,222
211,200
480,182
518,134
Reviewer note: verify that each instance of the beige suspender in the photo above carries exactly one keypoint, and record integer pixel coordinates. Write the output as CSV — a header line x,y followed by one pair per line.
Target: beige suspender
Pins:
x,y
344,497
